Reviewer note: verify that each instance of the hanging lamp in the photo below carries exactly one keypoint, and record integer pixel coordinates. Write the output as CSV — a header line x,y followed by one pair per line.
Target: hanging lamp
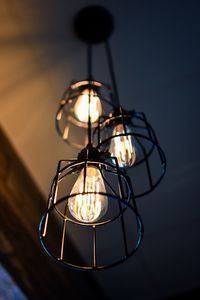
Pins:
x,y
72,115
129,137
91,199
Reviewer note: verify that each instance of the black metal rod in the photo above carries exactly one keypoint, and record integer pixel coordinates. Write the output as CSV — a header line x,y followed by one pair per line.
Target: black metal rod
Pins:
x,y
55,190
123,229
48,206
148,127
132,193
109,185
121,194
160,152
94,246
89,60
63,232
115,99
98,132
89,119
123,121
45,225
147,165
84,177
63,239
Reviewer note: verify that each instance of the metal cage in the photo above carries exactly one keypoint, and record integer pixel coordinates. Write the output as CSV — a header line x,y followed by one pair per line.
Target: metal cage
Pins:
x,y
99,247
150,159
69,127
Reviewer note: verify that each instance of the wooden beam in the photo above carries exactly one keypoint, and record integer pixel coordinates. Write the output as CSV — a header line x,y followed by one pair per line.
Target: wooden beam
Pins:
x,y
21,205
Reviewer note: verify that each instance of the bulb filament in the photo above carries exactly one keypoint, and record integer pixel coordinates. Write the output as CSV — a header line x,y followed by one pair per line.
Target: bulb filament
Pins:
x,y
122,147
83,106
88,205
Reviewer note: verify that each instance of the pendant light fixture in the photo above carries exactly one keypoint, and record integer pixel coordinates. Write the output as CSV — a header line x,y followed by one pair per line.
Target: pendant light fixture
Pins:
x,y
129,137
72,114
92,199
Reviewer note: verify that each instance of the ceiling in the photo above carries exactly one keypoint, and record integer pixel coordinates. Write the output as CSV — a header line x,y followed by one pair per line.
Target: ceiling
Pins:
x,y
156,50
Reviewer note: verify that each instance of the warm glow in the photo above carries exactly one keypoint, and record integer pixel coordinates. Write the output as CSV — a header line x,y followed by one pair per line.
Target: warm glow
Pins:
x,y
81,107
122,147
88,208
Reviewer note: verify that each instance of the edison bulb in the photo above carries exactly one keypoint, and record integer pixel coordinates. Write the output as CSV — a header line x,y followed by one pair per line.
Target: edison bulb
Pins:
x,y
122,147
90,207
81,107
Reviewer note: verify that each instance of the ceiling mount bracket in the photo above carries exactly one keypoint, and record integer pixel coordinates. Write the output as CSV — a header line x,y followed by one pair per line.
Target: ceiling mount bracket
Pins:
x,y
93,24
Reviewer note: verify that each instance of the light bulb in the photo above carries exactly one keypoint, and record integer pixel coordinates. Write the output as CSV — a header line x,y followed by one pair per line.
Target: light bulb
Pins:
x,y
91,207
122,147
81,107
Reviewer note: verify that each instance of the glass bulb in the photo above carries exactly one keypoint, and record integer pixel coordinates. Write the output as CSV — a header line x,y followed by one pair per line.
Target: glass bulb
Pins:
x,y
122,147
81,107
88,207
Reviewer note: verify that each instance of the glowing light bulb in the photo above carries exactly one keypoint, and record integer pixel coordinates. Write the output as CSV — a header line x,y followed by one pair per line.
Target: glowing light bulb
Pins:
x,y
91,207
122,147
81,107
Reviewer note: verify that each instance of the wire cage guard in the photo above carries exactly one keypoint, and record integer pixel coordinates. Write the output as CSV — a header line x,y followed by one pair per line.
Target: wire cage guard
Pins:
x,y
70,123
149,158
92,237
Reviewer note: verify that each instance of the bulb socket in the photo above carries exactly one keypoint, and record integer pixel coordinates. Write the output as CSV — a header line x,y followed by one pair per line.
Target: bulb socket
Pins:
x,y
93,154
